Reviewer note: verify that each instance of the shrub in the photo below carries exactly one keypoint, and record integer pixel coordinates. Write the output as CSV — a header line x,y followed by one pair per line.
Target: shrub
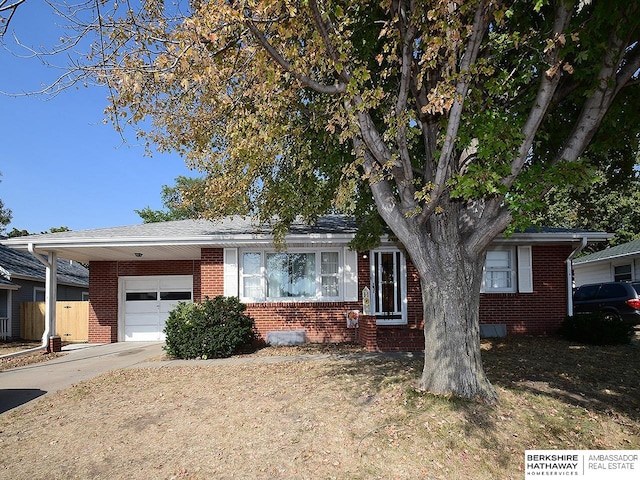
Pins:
x,y
215,328
596,329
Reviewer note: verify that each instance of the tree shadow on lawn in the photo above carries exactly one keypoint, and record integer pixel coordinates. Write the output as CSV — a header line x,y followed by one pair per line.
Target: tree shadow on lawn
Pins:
x,y
391,380
600,378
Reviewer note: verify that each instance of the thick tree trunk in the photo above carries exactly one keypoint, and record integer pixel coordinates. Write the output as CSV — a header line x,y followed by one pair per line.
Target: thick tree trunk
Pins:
x,y
452,362
451,277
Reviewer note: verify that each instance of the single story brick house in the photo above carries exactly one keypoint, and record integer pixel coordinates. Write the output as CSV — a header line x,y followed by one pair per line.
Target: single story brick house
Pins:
x,y
138,273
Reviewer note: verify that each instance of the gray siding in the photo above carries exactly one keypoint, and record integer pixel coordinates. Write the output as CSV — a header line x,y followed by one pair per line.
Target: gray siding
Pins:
x,y
603,271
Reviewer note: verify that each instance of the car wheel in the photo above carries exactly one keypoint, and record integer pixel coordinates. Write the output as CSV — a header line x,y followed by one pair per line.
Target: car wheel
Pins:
x,y
610,316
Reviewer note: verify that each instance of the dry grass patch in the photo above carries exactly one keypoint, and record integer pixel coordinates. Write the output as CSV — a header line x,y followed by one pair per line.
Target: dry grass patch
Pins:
x,y
346,417
25,359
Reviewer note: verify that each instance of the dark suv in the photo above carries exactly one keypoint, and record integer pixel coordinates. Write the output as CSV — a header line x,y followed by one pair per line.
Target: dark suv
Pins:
x,y
614,299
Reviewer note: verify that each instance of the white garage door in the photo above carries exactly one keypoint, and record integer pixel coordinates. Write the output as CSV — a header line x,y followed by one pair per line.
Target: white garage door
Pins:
x,y
148,301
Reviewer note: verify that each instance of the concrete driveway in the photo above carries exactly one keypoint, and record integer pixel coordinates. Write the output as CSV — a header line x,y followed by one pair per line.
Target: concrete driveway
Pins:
x,y
23,384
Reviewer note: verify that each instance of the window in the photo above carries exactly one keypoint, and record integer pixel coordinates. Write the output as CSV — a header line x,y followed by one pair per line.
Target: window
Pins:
x,y
142,296
586,292
622,273
176,296
252,275
499,272
329,271
612,290
291,275
38,294
274,275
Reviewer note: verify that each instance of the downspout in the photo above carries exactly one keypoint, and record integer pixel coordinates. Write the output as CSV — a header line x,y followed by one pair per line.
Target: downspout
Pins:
x,y
569,263
51,269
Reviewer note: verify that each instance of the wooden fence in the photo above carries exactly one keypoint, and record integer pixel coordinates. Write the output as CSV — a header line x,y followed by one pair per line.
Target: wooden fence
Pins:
x,y
72,321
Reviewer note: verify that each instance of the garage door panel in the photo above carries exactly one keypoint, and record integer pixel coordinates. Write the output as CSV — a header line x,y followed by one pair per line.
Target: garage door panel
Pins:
x,y
148,302
143,333
141,307
142,319
180,283
166,307
141,284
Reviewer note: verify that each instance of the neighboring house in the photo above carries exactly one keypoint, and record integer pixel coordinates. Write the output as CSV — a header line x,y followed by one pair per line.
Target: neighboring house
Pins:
x,y
615,264
22,279
138,273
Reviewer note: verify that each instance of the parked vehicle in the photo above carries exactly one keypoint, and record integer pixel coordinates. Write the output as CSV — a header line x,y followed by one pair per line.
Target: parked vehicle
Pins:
x,y
613,299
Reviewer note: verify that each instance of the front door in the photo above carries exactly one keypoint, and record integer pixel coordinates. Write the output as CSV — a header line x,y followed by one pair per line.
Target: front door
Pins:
x,y
389,279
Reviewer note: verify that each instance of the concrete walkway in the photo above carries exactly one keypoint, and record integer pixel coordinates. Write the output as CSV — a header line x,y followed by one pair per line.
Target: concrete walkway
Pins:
x,y
23,384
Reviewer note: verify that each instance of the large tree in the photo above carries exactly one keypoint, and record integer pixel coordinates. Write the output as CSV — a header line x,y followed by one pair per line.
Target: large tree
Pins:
x,y
607,205
447,119
174,205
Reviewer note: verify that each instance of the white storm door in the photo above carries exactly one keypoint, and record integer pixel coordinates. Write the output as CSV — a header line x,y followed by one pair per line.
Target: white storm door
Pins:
x,y
388,273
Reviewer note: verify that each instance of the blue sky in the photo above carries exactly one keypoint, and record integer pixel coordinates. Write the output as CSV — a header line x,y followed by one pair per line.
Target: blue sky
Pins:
x,y
60,164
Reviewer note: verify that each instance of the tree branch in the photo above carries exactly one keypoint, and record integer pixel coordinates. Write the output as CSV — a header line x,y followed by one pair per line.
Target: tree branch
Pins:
x,y
343,73
303,79
615,72
549,82
11,8
443,171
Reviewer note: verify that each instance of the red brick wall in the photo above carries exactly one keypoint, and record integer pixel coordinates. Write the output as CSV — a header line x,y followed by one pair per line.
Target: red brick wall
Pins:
x,y
537,313
540,312
324,322
103,305
211,273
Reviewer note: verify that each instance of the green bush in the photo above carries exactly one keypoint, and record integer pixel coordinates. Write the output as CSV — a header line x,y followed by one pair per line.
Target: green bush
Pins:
x,y
596,329
215,328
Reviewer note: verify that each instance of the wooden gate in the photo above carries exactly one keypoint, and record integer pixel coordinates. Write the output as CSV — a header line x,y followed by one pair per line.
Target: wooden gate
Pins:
x,y
72,321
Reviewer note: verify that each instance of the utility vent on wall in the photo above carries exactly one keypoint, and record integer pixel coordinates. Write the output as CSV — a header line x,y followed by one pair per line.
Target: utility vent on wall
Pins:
x,y
287,337
488,331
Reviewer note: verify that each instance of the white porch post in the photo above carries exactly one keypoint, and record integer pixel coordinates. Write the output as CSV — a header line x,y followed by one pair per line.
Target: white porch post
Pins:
x,y
51,293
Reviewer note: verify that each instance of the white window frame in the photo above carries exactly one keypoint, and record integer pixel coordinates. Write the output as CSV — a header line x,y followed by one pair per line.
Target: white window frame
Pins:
x,y
318,297
511,270
37,290
617,265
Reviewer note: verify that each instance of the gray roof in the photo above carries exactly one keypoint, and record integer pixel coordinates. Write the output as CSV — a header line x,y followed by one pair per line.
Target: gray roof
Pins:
x,y
181,239
624,250
229,226
23,265
184,239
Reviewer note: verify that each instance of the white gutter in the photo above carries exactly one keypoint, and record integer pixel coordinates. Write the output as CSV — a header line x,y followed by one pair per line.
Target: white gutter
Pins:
x,y
569,263
51,266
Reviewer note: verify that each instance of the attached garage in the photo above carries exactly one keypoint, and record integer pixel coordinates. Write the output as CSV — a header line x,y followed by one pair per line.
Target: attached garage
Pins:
x,y
145,303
